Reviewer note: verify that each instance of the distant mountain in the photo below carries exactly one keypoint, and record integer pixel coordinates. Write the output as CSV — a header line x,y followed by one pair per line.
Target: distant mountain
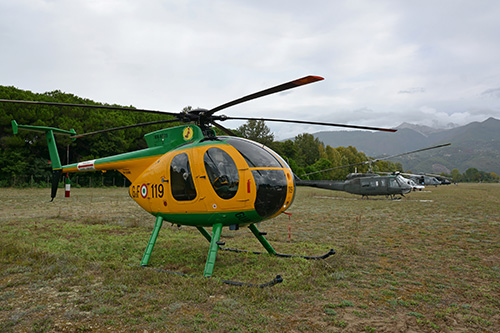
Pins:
x,y
422,129
475,145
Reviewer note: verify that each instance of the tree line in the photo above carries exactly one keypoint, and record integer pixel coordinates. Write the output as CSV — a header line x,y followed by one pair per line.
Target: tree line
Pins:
x,y
24,157
473,175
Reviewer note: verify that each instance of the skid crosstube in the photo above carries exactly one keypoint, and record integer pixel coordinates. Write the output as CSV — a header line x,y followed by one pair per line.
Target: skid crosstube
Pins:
x,y
260,236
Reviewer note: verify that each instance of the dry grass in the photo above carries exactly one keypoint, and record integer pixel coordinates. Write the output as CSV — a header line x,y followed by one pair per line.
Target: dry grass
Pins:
x,y
428,262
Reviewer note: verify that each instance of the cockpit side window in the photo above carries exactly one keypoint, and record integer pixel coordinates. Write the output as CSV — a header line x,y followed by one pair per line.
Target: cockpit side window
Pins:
x,y
222,172
181,179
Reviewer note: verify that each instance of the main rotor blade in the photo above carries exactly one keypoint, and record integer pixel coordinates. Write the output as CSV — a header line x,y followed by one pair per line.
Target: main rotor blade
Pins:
x,y
434,175
315,123
124,127
337,167
424,174
89,106
269,91
377,159
411,152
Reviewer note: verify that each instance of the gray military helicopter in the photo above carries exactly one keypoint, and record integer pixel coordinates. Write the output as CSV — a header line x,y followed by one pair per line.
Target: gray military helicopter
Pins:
x,y
367,184
428,179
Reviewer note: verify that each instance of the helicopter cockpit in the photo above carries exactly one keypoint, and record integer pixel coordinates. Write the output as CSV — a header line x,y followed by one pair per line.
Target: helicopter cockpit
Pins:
x,y
267,170
403,184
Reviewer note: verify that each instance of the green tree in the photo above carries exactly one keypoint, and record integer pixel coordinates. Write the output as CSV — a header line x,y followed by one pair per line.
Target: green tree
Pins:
x,y
256,130
308,151
472,175
456,176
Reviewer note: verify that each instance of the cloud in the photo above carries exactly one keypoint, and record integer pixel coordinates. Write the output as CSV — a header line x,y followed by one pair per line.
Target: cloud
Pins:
x,y
384,63
492,93
412,91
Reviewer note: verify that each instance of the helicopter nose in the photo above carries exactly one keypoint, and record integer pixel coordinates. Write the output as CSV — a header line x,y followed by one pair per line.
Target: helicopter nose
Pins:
x,y
271,191
407,188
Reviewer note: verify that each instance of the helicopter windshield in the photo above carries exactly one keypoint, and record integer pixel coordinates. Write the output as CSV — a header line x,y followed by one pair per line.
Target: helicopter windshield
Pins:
x,y
254,154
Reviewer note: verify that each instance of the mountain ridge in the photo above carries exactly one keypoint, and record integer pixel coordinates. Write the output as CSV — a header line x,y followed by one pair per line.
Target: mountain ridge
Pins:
x,y
474,145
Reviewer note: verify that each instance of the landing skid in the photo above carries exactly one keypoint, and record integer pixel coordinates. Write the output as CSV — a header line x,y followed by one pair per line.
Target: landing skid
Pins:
x,y
283,255
387,196
276,280
265,243
216,244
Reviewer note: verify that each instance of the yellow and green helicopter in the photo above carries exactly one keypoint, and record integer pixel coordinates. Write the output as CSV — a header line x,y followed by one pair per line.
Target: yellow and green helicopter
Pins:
x,y
189,176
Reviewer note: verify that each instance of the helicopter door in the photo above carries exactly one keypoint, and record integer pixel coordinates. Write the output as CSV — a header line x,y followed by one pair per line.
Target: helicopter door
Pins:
x,y
222,172
181,179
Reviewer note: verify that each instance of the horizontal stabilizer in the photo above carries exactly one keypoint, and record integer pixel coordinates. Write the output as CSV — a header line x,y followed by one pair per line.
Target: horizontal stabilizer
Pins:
x,y
42,129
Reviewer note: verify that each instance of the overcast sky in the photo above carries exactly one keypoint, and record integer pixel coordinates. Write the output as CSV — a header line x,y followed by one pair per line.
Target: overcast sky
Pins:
x,y
384,62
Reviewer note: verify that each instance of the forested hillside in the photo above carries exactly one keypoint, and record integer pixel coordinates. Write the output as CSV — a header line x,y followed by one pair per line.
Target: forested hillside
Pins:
x,y
24,158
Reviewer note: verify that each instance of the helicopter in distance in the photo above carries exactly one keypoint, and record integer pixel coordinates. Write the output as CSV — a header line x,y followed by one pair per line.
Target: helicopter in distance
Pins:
x,y
414,186
189,176
428,179
369,184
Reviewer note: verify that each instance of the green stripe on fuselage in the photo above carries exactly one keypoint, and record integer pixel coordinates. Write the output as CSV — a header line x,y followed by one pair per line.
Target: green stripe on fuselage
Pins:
x,y
241,218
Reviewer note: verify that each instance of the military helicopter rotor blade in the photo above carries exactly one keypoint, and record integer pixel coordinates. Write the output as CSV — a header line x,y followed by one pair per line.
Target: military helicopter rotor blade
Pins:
x,y
337,167
424,174
378,159
434,175
269,91
313,123
124,127
411,152
90,106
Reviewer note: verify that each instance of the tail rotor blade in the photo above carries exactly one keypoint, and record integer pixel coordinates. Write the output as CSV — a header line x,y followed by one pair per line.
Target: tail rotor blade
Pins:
x,y
56,175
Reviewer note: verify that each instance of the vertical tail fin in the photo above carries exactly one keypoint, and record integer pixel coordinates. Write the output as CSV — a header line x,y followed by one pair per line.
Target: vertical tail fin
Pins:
x,y
51,142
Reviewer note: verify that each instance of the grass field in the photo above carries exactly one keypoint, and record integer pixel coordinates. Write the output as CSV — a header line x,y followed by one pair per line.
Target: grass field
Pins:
x,y
428,262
